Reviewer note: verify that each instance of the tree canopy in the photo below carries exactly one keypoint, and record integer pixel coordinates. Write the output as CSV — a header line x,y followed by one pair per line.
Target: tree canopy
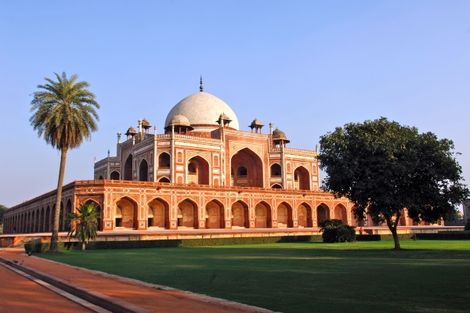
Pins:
x,y
384,167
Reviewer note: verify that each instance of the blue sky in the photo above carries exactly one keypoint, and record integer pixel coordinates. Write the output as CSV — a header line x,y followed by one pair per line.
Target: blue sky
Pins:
x,y
305,66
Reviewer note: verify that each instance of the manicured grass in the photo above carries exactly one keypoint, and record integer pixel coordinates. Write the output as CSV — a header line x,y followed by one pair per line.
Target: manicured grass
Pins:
x,y
428,276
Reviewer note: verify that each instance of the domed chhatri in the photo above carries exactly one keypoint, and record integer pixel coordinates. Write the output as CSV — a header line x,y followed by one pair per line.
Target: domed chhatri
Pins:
x,y
180,120
279,136
203,109
131,131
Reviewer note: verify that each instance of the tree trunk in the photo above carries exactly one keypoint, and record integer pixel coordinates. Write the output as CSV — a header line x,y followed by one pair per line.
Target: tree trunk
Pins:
x,y
83,246
53,248
393,229
395,238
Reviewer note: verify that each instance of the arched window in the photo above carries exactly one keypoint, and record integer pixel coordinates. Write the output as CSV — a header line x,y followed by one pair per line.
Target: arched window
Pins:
x,y
164,180
275,170
114,175
164,160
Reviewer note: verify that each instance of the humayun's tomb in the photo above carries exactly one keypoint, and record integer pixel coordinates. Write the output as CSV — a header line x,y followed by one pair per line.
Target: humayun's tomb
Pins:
x,y
202,177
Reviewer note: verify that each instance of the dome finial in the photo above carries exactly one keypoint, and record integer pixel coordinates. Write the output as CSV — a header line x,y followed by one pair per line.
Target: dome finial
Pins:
x,y
201,87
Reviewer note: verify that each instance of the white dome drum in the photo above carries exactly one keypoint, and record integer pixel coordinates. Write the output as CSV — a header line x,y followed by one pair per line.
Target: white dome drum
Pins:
x,y
202,110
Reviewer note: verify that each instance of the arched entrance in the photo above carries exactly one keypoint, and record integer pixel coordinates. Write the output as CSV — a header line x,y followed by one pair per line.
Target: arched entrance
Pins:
x,y
215,215
198,171
128,168
341,213
246,169
304,215
284,215
262,215
323,213
126,213
158,214
114,175
240,216
143,171
187,214
164,180
301,178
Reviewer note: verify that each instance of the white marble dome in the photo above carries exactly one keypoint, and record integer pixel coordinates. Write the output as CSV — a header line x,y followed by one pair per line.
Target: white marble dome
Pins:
x,y
202,109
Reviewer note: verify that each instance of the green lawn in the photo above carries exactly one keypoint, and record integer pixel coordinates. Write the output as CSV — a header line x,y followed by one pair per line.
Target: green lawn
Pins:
x,y
429,276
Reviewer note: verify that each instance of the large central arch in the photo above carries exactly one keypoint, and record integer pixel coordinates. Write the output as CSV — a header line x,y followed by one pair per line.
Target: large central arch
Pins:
x,y
198,171
246,169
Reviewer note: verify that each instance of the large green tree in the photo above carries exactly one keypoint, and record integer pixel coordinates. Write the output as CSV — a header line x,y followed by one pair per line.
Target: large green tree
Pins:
x,y
64,114
384,167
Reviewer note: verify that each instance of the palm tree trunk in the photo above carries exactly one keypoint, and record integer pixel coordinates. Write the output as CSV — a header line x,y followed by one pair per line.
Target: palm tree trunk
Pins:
x,y
53,248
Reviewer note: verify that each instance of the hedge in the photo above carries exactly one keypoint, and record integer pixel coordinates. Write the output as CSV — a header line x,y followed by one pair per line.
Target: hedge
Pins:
x,y
36,246
454,235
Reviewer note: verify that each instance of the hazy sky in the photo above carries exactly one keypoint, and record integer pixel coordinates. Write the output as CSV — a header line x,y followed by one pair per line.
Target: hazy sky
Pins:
x,y
305,66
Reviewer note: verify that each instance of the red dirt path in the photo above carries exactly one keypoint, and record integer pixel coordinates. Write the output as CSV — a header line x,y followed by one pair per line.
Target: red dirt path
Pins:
x,y
20,295
141,295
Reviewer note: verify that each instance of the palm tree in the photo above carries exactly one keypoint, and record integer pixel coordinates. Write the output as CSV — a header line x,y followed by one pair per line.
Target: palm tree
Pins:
x,y
64,114
85,224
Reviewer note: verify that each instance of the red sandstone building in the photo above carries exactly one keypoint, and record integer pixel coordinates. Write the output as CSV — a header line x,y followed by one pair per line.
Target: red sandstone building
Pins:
x,y
203,172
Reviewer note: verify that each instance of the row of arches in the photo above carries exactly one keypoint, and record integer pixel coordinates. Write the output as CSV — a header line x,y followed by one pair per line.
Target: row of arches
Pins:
x,y
246,170
38,220
41,220
213,214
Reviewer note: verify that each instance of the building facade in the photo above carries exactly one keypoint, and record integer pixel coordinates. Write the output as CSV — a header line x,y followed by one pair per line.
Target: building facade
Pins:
x,y
202,172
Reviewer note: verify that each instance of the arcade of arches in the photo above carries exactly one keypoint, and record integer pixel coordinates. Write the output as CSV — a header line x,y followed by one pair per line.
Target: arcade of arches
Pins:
x,y
189,213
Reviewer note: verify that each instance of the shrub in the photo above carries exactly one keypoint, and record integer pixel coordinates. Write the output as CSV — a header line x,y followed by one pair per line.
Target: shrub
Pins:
x,y
336,231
